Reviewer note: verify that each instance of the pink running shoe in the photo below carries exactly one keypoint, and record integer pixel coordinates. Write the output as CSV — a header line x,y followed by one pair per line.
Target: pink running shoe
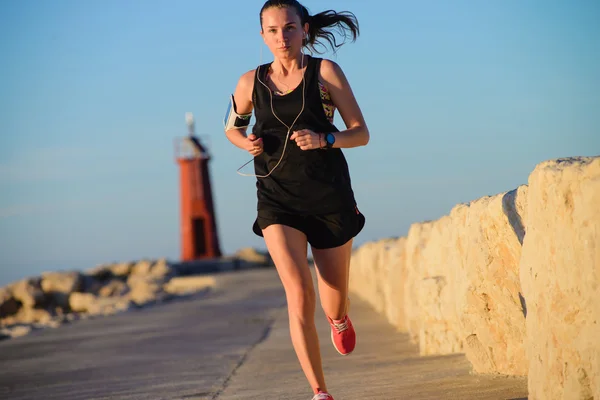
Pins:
x,y
322,396
343,335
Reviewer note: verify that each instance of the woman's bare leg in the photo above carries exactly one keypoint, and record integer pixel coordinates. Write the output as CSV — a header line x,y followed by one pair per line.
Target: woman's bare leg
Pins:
x,y
288,248
333,273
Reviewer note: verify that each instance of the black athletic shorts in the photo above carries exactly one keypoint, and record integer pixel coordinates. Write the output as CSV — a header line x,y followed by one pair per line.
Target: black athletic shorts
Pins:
x,y
322,231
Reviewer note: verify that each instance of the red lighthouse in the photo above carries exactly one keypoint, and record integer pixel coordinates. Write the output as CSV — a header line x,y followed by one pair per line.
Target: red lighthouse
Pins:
x,y
199,239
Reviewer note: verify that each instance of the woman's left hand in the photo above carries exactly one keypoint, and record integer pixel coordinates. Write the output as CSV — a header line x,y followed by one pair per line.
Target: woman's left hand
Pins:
x,y
307,139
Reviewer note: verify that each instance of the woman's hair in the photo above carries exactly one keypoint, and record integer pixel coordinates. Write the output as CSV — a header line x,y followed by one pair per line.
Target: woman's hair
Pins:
x,y
344,22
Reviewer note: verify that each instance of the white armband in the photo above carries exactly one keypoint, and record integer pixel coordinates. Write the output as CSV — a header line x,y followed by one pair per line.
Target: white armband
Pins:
x,y
234,120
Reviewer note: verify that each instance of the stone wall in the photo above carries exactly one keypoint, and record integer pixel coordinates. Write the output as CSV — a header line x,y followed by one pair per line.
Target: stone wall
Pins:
x,y
511,280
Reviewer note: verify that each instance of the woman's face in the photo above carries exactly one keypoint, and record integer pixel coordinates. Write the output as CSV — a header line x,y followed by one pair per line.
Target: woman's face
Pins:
x,y
282,31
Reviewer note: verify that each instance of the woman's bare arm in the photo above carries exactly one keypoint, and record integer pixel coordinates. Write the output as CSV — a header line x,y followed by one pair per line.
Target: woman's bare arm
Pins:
x,y
243,100
357,133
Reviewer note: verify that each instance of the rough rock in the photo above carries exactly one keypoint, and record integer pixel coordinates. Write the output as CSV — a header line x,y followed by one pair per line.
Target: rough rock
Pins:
x,y
189,284
369,275
142,267
59,285
104,272
28,292
377,275
61,282
487,235
99,273
253,256
82,302
15,331
417,238
560,276
394,261
8,304
115,287
162,268
27,315
121,270
144,289
94,305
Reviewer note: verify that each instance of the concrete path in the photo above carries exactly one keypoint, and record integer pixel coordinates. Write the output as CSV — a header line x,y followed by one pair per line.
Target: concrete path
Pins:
x,y
384,365
184,349
232,343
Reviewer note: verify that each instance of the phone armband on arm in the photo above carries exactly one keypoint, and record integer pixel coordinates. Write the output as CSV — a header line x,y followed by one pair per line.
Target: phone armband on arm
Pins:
x,y
232,119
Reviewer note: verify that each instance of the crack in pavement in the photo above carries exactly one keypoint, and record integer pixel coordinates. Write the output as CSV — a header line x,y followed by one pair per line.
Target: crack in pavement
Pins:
x,y
243,359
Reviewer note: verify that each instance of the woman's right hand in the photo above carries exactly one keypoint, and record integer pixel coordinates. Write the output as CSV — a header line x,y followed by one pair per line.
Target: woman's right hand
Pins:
x,y
255,145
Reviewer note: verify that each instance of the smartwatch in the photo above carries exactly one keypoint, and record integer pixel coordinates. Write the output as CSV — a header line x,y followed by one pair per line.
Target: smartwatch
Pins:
x,y
329,140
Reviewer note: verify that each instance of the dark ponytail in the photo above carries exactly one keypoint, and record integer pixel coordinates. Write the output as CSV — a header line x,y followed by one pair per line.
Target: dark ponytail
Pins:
x,y
321,25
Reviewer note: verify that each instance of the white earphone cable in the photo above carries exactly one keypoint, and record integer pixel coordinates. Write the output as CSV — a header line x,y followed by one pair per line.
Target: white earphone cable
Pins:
x,y
275,115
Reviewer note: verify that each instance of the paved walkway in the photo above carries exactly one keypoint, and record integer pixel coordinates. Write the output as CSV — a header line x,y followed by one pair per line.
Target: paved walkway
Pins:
x,y
184,349
384,365
231,343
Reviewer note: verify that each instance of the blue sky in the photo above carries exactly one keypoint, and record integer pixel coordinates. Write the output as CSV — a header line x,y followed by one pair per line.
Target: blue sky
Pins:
x,y
462,98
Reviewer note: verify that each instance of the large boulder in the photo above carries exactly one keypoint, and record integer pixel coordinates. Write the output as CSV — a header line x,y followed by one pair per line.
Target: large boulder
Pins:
x,y
115,287
59,286
157,270
94,305
120,270
144,289
251,256
8,304
28,292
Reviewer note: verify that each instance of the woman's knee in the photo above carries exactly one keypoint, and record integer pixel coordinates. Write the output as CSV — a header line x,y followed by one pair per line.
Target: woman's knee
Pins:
x,y
301,300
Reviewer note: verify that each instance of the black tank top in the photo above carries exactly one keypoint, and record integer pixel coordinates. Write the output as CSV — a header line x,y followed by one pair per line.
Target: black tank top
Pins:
x,y
306,182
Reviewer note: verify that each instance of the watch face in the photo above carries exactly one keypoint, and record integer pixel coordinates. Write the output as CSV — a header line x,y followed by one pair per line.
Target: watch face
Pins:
x,y
330,138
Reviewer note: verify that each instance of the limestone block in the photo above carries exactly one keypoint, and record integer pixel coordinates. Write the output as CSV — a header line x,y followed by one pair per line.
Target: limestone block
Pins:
x,y
416,241
394,261
430,288
560,277
437,333
487,236
367,275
